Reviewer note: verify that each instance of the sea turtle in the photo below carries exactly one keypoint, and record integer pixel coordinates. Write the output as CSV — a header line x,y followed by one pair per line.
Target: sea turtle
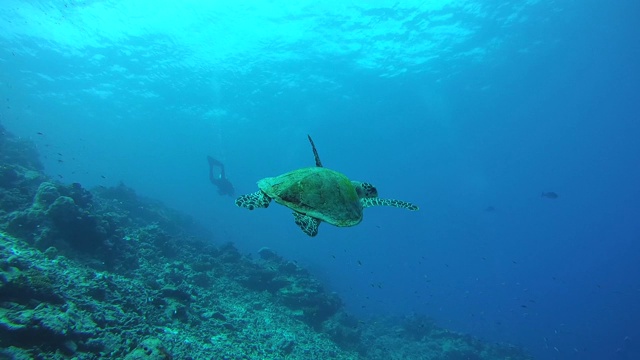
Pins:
x,y
318,194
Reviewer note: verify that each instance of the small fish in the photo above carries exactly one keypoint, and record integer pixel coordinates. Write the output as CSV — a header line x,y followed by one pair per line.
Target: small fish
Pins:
x,y
490,209
549,195
39,133
359,263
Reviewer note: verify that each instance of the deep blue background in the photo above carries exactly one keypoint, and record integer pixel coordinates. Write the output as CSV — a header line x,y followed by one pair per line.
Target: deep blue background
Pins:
x,y
551,104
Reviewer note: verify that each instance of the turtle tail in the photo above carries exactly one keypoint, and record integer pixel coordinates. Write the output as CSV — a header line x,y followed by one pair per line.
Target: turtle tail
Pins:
x,y
369,202
254,200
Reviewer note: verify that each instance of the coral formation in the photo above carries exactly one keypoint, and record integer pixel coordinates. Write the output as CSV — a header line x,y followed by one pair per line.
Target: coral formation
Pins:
x,y
107,274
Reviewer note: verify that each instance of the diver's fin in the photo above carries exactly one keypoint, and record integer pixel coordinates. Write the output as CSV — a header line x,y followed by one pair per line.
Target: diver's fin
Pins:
x,y
315,152
213,161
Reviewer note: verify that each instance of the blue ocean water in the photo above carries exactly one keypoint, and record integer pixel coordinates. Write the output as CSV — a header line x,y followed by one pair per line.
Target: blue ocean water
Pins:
x,y
469,109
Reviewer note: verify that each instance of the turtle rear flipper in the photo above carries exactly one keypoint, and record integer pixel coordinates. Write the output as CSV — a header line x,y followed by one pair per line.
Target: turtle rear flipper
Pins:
x,y
369,202
254,200
307,223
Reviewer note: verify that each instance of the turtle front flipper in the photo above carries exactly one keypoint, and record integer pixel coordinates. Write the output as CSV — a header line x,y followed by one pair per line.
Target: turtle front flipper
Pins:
x,y
307,223
369,202
254,200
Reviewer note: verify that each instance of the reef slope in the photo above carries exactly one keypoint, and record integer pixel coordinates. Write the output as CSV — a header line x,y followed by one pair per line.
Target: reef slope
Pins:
x,y
108,274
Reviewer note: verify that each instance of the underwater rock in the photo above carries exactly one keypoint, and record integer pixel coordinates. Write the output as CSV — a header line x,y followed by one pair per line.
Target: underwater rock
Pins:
x,y
8,176
261,279
125,195
268,254
344,330
178,312
175,293
45,196
292,286
77,226
18,151
81,197
58,214
15,353
229,253
418,326
22,286
27,224
46,324
18,186
64,210
149,349
286,346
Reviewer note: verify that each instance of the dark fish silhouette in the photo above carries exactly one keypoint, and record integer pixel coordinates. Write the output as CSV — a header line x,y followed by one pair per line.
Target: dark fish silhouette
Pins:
x,y
549,195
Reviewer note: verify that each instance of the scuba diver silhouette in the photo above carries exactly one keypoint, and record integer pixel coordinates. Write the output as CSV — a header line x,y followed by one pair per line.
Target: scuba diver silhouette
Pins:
x,y
224,185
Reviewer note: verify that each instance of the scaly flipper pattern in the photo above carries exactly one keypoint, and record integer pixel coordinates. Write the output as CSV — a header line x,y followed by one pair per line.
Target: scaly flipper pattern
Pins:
x,y
254,200
307,223
369,202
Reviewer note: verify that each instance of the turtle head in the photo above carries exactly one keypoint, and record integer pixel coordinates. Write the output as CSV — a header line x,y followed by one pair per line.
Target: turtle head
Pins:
x,y
365,190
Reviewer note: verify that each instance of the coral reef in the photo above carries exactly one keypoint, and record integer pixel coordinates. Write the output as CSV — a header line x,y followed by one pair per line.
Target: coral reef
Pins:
x,y
107,274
